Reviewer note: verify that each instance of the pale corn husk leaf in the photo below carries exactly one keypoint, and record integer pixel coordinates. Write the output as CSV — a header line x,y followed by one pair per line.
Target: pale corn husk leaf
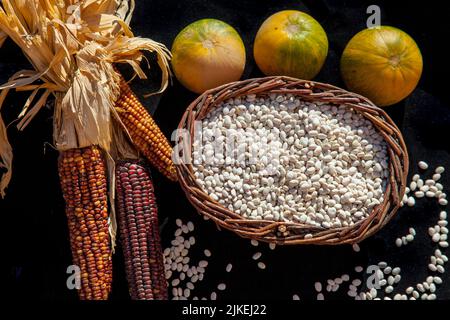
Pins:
x,y
123,149
130,50
5,150
3,37
112,221
125,10
83,113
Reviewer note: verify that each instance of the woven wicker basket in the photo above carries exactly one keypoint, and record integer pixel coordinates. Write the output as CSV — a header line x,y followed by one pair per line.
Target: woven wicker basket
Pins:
x,y
293,232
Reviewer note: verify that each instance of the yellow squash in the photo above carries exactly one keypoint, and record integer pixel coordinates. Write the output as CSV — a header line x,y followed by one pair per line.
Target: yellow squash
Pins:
x,y
206,54
384,64
291,43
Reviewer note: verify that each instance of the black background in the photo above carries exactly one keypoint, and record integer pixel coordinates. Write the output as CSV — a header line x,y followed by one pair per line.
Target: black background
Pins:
x,y
36,250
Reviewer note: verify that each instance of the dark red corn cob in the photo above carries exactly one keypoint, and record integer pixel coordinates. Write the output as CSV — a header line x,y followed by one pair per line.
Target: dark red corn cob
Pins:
x,y
139,231
83,180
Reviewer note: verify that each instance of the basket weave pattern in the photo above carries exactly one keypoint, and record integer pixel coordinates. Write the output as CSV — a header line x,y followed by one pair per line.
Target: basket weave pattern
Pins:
x,y
294,232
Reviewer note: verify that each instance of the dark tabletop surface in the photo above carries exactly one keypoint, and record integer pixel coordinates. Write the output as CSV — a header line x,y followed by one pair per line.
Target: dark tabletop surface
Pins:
x,y
35,237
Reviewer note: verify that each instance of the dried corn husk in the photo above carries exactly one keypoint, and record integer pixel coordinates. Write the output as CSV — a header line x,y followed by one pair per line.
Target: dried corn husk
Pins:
x,y
5,150
3,37
72,45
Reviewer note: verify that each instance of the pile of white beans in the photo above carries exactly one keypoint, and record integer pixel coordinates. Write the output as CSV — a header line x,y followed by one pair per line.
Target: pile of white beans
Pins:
x,y
316,164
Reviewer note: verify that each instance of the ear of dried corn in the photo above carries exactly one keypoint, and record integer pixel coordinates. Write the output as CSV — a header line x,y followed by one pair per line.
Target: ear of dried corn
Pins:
x,y
84,184
144,132
139,233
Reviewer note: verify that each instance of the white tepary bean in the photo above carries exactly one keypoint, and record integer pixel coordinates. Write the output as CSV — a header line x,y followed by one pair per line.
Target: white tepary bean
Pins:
x,y
423,165
285,159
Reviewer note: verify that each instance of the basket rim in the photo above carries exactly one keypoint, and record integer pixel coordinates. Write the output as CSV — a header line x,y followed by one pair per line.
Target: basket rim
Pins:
x,y
282,232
